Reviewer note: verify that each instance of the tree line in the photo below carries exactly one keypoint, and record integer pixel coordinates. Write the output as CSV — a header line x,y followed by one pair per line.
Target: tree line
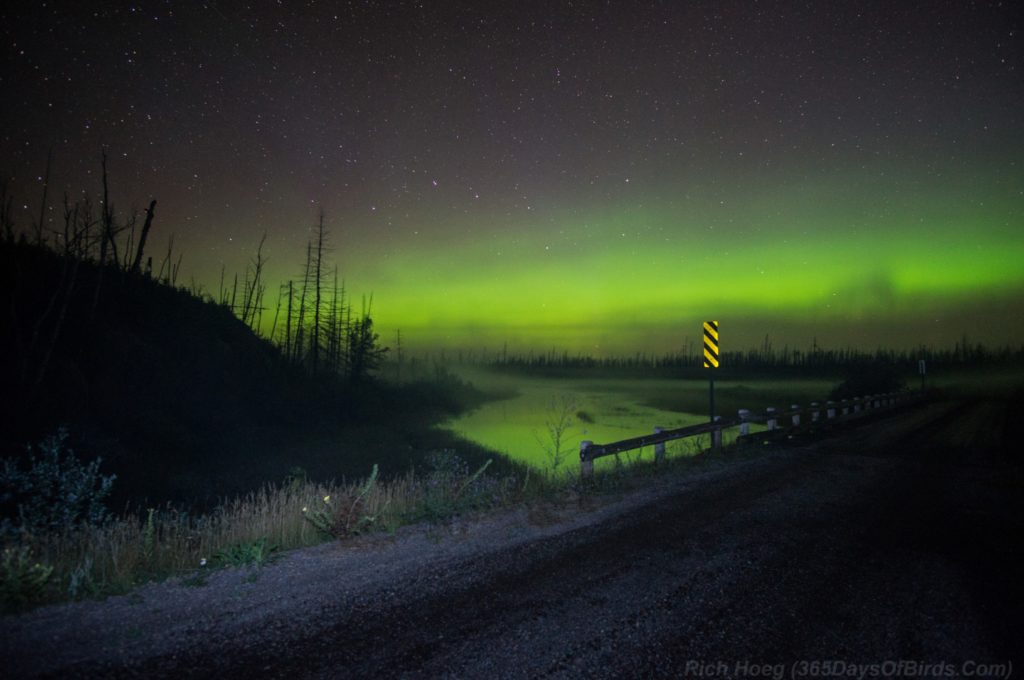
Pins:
x,y
314,325
314,322
765,357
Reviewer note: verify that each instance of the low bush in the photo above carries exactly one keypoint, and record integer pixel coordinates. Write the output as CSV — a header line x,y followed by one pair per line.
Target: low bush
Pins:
x,y
22,580
55,493
874,378
93,558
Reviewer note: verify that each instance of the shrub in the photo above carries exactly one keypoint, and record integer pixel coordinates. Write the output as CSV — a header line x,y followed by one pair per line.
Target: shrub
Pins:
x,y
254,554
863,380
347,518
22,580
449,488
57,491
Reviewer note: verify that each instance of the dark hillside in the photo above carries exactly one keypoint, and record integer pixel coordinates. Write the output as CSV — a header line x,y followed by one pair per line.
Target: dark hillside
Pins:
x,y
183,400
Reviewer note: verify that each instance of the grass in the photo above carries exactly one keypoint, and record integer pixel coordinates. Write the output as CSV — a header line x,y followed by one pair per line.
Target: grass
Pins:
x,y
251,530
248,531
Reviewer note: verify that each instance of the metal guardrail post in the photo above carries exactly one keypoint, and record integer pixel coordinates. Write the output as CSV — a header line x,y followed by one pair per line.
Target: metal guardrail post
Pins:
x,y
744,415
716,435
589,451
586,465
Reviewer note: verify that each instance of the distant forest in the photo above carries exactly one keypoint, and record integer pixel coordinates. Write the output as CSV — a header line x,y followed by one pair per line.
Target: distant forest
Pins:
x,y
760,359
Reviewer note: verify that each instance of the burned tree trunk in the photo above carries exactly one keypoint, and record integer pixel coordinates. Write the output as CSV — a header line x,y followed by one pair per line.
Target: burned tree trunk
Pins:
x,y
142,237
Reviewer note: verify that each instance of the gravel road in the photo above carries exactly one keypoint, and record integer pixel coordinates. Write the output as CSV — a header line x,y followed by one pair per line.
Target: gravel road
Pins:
x,y
887,550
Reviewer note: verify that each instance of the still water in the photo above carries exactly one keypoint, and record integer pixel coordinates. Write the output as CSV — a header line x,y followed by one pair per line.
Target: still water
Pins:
x,y
526,426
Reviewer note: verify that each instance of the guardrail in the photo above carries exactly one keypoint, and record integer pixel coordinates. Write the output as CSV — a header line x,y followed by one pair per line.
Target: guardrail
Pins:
x,y
793,417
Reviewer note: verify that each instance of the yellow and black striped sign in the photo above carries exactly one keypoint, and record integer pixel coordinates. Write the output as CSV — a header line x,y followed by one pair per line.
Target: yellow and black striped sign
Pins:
x,y
710,344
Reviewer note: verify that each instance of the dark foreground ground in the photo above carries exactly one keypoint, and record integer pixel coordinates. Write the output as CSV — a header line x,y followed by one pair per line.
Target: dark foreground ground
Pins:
x,y
889,550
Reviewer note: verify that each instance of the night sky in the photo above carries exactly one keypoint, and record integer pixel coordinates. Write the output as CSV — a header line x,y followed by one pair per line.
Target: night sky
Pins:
x,y
598,177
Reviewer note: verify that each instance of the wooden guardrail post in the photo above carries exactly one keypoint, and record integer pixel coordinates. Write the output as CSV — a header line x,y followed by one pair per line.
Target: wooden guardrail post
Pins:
x,y
815,411
716,435
857,404
830,411
771,422
796,416
586,465
659,448
744,415
846,406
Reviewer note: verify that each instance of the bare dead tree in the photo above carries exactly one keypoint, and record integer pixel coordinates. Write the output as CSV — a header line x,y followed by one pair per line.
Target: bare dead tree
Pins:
x,y
300,325
126,259
107,236
277,313
334,327
83,238
142,237
175,269
58,325
85,233
70,226
253,288
288,323
398,354
6,213
109,240
36,352
251,284
166,263
317,282
41,224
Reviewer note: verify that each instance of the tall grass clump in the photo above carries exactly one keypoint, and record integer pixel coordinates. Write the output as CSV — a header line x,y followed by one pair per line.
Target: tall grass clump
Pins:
x,y
50,561
58,555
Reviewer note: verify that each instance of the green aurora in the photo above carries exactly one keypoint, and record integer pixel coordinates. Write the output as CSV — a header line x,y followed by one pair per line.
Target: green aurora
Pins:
x,y
890,262
595,178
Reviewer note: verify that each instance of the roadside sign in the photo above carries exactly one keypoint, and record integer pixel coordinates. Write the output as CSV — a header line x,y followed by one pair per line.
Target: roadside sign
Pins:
x,y
711,361
710,344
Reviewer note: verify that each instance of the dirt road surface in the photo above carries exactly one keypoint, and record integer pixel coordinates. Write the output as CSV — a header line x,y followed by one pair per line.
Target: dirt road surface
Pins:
x,y
892,549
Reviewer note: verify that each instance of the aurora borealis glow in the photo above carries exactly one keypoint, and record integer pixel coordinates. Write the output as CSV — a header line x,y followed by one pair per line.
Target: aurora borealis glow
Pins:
x,y
589,176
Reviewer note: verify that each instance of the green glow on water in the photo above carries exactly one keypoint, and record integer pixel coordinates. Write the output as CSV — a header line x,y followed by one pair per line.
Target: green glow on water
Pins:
x,y
612,410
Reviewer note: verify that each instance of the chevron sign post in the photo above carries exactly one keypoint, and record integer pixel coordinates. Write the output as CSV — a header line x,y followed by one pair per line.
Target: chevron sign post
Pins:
x,y
710,344
711,360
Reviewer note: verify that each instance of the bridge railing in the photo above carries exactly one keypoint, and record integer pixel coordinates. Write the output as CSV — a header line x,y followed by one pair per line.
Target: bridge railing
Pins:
x,y
773,419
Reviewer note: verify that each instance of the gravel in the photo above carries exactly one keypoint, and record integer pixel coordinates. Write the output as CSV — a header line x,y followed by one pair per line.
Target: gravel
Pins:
x,y
875,545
